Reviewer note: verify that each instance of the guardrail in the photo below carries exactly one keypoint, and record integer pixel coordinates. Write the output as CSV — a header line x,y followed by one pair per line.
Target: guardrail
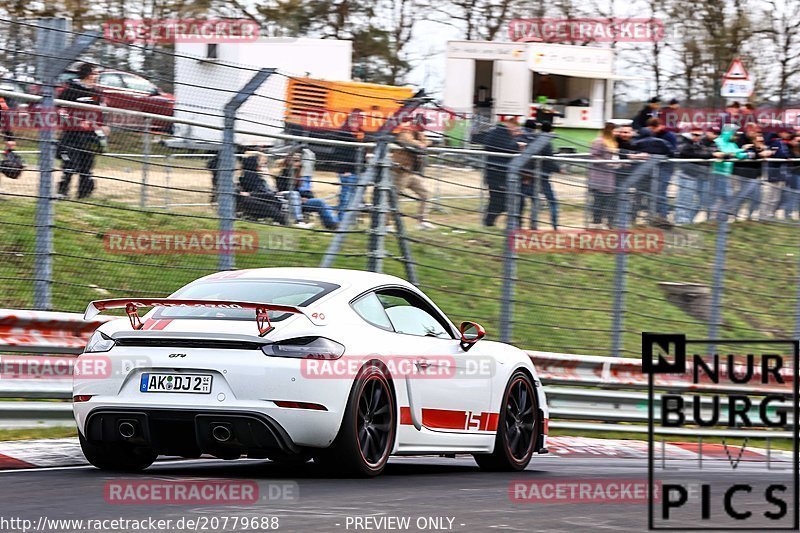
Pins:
x,y
585,393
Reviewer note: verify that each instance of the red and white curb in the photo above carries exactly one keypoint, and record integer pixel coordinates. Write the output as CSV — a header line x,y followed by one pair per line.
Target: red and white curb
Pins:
x,y
46,453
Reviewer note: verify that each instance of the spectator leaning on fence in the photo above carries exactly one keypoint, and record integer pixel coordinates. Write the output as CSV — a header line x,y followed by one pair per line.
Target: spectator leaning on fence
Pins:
x,y
721,170
83,135
602,179
407,163
779,174
627,150
650,144
501,138
693,181
748,171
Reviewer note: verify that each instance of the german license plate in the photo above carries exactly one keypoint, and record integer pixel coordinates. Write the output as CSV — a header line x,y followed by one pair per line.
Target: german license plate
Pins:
x,y
191,383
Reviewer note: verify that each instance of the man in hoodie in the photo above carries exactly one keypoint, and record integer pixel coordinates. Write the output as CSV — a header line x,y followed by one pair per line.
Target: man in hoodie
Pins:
x,y
722,169
83,133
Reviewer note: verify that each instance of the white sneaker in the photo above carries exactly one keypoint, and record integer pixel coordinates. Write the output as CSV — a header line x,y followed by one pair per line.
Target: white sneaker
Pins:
x,y
425,225
390,229
304,225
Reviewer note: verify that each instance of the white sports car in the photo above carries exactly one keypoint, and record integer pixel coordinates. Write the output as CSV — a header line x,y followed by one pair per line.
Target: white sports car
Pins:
x,y
345,367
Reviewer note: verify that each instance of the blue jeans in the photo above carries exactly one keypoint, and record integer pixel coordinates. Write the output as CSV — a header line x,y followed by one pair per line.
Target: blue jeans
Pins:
x,y
547,190
790,196
664,177
330,219
720,192
694,187
295,204
750,192
346,192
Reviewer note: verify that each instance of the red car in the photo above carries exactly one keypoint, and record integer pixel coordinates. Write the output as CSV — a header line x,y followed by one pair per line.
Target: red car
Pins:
x,y
123,90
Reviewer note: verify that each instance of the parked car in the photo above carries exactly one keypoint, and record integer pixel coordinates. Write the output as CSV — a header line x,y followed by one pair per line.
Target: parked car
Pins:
x,y
123,90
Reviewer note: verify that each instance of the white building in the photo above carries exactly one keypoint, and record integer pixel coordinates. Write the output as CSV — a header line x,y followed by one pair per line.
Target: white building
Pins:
x,y
496,78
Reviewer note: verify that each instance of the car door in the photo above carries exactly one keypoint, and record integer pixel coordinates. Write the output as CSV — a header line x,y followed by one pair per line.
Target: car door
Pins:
x,y
449,392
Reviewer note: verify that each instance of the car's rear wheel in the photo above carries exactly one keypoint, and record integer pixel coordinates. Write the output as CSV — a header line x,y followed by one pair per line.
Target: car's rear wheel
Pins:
x,y
367,435
517,428
120,457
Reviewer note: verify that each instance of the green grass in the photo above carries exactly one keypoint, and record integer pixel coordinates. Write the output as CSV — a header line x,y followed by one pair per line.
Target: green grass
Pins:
x,y
563,302
578,138
38,433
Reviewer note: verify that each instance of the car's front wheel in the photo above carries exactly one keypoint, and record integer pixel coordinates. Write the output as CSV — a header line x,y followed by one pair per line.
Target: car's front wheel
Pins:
x,y
367,435
120,457
517,428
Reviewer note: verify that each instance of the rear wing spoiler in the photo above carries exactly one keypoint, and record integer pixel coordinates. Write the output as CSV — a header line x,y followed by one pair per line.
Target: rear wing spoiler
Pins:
x,y
261,310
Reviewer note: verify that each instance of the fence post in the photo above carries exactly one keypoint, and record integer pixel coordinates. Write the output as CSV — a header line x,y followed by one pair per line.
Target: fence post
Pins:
x,y
620,275
377,237
146,164
54,58
227,162
512,225
621,259
719,271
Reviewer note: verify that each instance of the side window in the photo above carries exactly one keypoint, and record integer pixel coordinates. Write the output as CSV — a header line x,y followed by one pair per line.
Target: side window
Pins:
x,y
110,80
370,309
138,84
412,315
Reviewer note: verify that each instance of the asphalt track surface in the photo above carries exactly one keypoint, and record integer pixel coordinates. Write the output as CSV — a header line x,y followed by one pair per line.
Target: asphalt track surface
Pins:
x,y
418,488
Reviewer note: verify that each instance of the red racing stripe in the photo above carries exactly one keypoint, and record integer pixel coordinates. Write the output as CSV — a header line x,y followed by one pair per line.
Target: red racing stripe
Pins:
x,y
451,419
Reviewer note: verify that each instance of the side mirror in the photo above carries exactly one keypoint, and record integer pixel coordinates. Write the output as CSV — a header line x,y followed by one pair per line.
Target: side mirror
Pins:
x,y
471,333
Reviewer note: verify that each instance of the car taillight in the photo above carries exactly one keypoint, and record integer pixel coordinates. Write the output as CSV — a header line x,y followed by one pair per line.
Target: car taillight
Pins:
x,y
81,398
305,348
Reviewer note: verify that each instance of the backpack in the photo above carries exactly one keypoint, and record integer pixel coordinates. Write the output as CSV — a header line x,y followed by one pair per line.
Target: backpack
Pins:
x,y
12,165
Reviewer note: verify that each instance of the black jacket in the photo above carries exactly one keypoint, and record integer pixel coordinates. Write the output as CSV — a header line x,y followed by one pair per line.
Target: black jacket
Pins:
x,y
499,139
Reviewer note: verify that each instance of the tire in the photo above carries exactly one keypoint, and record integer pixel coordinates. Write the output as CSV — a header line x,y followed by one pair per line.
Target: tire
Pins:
x,y
368,430
120,457
517,429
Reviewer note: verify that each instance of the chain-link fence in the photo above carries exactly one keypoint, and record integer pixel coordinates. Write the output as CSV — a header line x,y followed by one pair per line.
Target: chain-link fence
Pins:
x,y
578,251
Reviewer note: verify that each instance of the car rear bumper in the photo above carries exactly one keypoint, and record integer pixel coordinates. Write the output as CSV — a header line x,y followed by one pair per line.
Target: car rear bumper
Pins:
x,y
190,433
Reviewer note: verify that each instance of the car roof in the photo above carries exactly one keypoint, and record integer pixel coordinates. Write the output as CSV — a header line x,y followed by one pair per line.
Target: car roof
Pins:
x,y
356,280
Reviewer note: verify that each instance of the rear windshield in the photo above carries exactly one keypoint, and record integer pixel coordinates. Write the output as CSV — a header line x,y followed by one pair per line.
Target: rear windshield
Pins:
x,y
275,291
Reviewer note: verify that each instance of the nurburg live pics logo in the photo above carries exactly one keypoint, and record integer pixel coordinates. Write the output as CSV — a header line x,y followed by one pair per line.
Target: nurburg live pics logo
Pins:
x,y
737,396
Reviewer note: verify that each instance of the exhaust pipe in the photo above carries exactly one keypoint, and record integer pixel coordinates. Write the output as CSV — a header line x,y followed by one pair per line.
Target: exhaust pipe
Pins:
x,y
221,433
126,429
